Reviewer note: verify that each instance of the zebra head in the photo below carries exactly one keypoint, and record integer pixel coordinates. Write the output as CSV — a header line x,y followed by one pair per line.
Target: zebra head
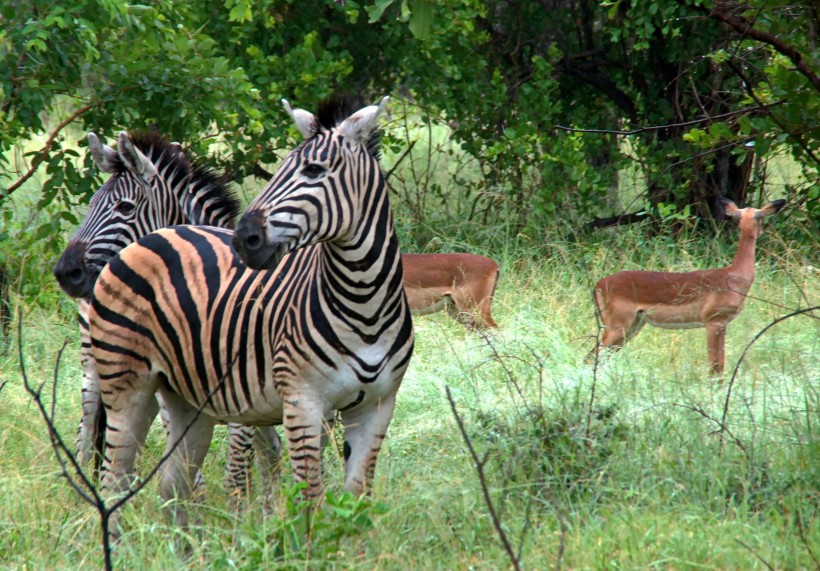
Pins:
x,y
321,190
152,185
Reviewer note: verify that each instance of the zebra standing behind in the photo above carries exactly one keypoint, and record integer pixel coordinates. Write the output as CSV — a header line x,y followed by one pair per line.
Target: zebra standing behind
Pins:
x,y
152,185
326,327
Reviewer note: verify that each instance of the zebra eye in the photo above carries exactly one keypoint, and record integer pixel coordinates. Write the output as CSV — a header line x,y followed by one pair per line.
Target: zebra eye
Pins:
x,y
124,207
313,170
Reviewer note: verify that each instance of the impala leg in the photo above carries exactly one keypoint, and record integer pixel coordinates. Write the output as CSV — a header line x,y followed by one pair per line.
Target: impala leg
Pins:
x,y
716,343
486,316
461,312
618,329
364,433
127,423
304,434
177,475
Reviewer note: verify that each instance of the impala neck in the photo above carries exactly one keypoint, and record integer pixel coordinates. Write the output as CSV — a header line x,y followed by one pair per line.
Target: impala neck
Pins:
x,y
744,262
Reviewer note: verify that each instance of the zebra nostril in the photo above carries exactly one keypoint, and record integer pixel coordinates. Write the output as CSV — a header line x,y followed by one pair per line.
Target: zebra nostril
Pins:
x,y
253,242
76,276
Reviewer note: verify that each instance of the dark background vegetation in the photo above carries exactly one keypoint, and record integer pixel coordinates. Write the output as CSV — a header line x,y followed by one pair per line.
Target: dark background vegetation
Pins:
x,y
690,100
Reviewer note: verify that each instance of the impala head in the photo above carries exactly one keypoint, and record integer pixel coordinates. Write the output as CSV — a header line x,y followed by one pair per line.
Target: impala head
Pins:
x,y
751,218
152,185
319,192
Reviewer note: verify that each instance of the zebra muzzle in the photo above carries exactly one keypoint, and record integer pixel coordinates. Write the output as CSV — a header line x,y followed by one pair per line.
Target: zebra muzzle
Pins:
x,y
252,245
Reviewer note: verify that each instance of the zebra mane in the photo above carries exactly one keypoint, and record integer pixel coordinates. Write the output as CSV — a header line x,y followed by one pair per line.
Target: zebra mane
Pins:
x,y
337,108
213,187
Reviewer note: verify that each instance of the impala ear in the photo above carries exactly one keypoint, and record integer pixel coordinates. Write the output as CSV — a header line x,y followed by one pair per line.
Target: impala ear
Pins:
x,y
770,209
729,208
134,160
305,120
104,156
359,126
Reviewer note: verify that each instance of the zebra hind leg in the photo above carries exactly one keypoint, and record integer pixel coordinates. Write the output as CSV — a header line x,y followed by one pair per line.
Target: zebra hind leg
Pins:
x,y
177,476
245,442
237,479
268,448
364,433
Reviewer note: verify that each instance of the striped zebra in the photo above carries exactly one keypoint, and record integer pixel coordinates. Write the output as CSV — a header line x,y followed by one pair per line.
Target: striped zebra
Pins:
x,y
323,327
152,185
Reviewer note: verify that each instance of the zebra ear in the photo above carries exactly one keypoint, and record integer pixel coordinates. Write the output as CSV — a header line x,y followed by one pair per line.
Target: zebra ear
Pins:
x,y
104,156
359,126
137,163
305,120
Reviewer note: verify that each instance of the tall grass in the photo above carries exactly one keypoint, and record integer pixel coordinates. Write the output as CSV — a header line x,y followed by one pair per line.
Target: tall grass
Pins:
x,y
635,478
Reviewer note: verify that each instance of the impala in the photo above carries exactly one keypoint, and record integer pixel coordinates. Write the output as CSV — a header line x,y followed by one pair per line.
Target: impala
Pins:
x,y
627,300
463,284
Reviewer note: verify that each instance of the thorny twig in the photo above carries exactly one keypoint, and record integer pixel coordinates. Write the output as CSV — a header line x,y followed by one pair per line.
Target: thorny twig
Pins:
x,y
479,465
85,488
756,554
740,360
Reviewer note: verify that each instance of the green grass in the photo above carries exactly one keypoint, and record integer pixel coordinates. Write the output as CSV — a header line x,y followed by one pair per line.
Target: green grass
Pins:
x,y
644,484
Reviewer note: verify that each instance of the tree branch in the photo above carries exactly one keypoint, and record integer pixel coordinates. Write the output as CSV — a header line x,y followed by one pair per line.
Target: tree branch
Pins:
x,y
743,26
618,220
43,154
762,107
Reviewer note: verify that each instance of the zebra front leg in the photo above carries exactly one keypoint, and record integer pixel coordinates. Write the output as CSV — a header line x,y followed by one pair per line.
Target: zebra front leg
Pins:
x,y
127,423
199,480
178,474
364,433
88,431
304,434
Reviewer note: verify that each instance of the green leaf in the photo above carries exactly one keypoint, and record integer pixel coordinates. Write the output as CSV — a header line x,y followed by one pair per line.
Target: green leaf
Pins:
x,y
421,18
375,12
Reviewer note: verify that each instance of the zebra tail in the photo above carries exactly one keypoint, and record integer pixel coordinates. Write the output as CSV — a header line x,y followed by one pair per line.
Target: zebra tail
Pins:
x,y
99,438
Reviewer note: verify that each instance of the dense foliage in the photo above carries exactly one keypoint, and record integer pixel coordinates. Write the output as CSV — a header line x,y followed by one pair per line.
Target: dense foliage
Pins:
x,y
710,91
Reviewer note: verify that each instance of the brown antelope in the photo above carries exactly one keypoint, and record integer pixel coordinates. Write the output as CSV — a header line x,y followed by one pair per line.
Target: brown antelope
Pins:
x,y
464,284
706,298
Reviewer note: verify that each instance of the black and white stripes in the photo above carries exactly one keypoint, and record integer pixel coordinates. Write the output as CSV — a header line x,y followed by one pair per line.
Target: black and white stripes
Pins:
x,y
324,327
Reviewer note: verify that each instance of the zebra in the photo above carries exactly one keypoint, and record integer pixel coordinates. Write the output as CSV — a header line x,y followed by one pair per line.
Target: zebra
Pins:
x,y
152,185
323,326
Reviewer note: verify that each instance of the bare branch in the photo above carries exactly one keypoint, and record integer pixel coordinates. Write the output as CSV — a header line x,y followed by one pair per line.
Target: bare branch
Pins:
x,y
746,350
720,117
753,552
65,457
479,464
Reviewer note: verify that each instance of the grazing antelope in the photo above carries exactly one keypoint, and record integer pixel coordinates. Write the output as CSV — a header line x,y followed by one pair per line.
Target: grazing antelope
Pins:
x,y
706,298
463,284
323,326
